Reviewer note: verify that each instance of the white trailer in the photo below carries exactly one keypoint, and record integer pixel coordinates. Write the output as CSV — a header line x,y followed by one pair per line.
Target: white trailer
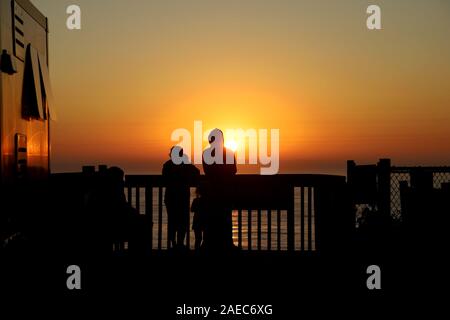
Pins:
x,y
25,94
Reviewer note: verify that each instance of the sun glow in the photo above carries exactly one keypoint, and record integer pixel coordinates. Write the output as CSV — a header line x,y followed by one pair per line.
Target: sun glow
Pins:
x,y
232,145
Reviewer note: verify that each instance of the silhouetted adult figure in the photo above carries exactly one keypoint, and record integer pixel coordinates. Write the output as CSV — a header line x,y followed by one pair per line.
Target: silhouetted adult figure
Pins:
x,y
179,175
128,224
219,165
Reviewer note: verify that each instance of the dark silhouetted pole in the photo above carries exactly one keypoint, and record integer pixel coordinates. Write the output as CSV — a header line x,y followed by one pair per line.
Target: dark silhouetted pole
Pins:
x,y
384,186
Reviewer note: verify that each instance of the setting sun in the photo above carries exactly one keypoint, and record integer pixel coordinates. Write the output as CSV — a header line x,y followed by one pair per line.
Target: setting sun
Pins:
x,y
281,66
232,145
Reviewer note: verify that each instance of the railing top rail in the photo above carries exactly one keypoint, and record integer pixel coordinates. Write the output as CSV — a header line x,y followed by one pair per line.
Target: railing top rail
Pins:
x,y
398,169
312,180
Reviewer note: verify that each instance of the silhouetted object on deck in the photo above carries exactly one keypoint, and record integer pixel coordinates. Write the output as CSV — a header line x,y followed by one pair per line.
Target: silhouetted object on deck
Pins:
x,y
178,177
219,194
199,208
23,216
111,219
425,213
375,229
370,191
405,211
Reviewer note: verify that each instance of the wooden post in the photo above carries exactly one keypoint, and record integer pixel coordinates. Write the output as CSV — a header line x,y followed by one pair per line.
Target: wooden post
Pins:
x,y
258,221
384,186
249,229
310,212
138,199
403,189
240,228
278,229
290,221
333,219
149,212
160,214
269,229
421,179
302,219
350,169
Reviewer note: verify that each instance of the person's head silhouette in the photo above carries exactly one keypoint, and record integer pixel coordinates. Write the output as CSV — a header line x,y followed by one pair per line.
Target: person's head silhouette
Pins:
x,y
216,136
115,179
115,174
177,155
176,150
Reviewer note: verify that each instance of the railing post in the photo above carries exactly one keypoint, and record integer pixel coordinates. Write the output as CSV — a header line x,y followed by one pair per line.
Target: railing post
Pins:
x,y
240,228
249,229
269,229
149,212
350,169
421,178
138,199
310,212
384,186
403,189
290,221
333,218
160,214
302,218
258,221
278,229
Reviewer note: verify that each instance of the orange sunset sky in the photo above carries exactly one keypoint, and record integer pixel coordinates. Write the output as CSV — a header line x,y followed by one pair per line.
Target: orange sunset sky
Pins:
x,y
138,69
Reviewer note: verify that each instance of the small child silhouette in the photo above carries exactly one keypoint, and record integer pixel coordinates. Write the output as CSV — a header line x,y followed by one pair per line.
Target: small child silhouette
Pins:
x,y
199,222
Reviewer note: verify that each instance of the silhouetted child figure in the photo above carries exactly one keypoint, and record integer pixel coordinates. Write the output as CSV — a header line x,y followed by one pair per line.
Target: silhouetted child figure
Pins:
x,y
199,222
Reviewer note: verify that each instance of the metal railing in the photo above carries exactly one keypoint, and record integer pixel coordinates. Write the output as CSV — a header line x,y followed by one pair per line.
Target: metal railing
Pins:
x,y
282,212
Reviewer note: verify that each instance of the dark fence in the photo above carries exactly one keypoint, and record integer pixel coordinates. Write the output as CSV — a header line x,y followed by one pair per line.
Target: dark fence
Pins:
x,y
282,212
378,185
434,177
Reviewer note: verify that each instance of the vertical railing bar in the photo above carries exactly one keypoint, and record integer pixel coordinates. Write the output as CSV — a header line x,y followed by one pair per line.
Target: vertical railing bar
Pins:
x,y
240,228
167,232
249,229
188,229
258,221
313,219
138,199
309,218
149,212
302,219
269,229
278,229
129,195
291,220
160,211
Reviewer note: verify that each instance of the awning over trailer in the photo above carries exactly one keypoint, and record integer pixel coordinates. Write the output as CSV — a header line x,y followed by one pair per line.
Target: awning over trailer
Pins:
x,y
37,92
47,90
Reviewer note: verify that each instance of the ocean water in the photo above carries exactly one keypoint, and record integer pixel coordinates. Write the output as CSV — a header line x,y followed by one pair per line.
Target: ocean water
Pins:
x,y
277,241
